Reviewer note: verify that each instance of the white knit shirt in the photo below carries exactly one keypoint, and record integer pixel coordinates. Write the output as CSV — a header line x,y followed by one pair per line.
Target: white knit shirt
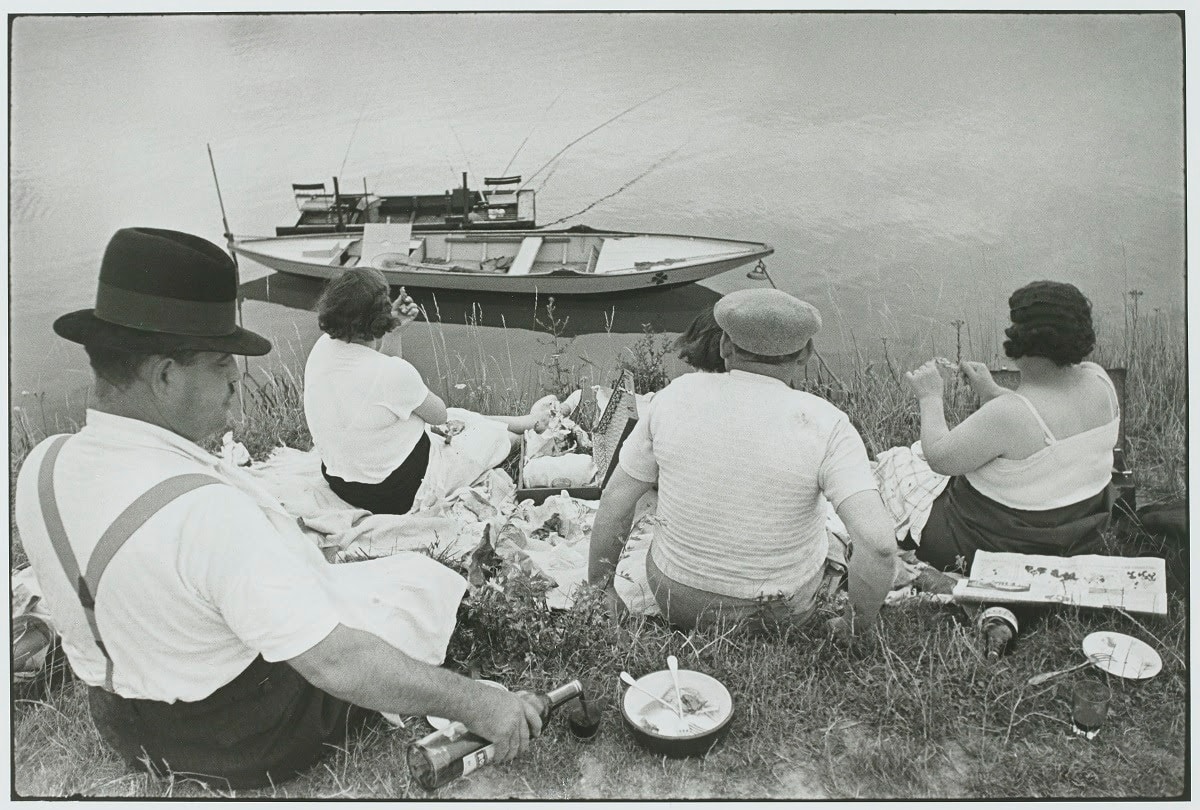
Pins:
x,y
359,404
742,461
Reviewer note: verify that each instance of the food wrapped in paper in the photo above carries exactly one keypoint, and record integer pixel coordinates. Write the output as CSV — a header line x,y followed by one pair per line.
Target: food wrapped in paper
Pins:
x,y
569,470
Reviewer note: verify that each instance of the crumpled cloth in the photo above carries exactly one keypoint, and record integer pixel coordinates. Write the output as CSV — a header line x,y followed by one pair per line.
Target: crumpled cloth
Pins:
x,y
482,444
408,599
549,540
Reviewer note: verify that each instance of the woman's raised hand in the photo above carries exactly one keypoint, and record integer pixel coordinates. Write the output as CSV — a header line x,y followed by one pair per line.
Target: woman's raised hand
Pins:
x,y
980,379
405,308
926,381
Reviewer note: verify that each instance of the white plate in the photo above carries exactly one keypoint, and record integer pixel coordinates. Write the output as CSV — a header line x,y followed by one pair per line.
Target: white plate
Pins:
x,y
440,723
1122,655
654,718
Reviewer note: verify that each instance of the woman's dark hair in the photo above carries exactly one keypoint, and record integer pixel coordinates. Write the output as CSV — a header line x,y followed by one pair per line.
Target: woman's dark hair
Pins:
x,y
356,306
700,345
1052,320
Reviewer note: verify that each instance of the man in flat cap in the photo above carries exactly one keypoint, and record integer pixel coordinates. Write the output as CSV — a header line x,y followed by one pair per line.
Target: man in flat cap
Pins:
x,y
742,462
204,624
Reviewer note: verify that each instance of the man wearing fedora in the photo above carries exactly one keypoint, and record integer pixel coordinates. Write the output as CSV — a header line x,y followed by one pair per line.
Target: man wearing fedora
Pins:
x,y
742,461
191,605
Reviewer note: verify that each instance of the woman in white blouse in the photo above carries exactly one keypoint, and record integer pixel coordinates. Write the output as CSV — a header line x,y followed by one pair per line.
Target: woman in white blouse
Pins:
x,y
1031,470
368,410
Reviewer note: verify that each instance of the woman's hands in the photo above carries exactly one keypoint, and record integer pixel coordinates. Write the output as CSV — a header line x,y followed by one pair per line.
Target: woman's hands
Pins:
x,y
980,380
405,309
929,380
926,381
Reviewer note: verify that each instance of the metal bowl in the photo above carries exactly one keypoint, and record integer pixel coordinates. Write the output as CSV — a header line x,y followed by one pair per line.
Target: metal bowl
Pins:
x,y
659,729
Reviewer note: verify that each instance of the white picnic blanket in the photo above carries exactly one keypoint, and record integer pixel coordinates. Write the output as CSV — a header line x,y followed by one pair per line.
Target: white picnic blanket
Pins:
x,y
553,537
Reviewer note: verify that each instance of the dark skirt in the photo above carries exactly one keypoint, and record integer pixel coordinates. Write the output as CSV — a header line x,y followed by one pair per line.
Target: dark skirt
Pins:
x,y
393,495
264,726
963,521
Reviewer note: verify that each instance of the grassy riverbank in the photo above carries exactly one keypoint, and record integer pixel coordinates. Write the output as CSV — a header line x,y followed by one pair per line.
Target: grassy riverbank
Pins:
x,y
910,711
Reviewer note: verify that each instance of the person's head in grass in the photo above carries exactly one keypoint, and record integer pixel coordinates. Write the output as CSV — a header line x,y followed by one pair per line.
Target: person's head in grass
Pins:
x,y
700,345
356,307
766,331
1050,319
162,337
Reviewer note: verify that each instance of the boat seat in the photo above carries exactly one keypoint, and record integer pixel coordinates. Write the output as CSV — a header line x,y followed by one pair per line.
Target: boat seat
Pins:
x,y
332,252
526,255
384,237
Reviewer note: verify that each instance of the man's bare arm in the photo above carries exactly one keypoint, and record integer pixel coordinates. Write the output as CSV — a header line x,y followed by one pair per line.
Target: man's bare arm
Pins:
x,y
365,670
872,566
610,530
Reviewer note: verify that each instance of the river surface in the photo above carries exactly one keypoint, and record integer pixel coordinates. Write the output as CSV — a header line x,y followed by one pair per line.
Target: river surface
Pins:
x,y
909,169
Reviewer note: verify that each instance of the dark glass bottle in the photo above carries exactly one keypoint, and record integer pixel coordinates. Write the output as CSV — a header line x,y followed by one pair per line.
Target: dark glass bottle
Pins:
x,y
998,625
445,755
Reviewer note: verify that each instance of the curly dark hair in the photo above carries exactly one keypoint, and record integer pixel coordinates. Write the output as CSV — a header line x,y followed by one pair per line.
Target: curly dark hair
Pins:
x,y
356,306
1050,319
700,345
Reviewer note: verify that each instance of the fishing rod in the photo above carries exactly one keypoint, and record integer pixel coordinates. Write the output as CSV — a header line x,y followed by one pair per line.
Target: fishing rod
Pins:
x,y
530,135
589,207
596,129
354,132
237,273
462,149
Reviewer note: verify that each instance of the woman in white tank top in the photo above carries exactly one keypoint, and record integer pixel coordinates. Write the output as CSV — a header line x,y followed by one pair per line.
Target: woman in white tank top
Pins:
x,y
1031,470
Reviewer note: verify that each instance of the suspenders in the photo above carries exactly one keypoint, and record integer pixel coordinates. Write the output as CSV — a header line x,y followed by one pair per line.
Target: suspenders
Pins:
x,y
128,522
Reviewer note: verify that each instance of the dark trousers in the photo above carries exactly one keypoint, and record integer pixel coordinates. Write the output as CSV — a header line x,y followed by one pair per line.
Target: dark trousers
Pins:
x,y
393,495
263,727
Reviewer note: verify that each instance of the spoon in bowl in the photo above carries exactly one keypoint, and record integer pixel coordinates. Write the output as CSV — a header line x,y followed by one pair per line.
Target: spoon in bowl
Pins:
x,y
673,665
629,681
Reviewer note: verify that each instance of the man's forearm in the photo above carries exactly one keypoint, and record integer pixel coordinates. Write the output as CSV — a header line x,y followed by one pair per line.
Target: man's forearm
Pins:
x,y
609,533
363,669
870,577
872,565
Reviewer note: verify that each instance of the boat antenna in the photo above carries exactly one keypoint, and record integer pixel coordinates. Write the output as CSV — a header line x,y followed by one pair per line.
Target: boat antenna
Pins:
x,y
597,129
589,207
545,112
237,273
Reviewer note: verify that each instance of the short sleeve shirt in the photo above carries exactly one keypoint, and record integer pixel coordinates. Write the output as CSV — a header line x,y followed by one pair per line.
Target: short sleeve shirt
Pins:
x,y
207,584
359,405
743,465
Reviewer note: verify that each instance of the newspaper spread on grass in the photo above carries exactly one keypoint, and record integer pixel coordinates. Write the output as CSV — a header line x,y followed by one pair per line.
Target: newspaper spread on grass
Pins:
x,y
1135,584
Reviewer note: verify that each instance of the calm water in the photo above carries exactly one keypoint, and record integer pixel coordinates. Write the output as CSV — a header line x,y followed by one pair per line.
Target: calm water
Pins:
x,y
910,170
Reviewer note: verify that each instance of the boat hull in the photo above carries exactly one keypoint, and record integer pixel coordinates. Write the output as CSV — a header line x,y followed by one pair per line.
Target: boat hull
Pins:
x,y
559,282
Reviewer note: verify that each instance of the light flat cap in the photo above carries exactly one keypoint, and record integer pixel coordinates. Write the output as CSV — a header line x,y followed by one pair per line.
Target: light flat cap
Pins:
x,y
767,321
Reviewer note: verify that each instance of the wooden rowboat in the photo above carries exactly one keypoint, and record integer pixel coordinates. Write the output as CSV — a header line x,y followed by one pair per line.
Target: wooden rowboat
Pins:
x,y
576,261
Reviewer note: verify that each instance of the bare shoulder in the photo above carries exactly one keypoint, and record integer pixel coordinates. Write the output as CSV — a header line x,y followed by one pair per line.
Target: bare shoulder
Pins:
x,y
1005,409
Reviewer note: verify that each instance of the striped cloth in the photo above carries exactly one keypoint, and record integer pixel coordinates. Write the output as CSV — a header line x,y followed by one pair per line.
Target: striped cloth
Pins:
x,y
908,488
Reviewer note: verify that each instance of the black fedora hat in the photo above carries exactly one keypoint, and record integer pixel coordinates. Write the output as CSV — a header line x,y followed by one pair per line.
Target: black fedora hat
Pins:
x,y
163,290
